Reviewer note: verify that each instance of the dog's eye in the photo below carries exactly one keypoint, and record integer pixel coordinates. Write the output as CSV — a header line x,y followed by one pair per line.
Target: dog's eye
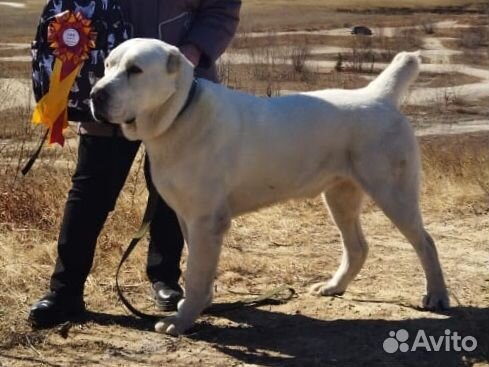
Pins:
x,y
134,69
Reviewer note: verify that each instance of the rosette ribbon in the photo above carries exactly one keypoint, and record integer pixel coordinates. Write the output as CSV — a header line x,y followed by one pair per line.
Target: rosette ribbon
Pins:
x,y
71,37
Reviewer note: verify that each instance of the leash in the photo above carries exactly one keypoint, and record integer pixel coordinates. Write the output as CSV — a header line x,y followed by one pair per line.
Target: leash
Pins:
x,y
274,296
141,232
35,155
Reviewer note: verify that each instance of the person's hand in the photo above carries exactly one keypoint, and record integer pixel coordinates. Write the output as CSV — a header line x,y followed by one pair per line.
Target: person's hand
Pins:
x,y
192,53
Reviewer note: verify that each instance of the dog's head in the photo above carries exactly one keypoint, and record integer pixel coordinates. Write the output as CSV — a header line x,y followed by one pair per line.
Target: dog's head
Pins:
x,y
146,83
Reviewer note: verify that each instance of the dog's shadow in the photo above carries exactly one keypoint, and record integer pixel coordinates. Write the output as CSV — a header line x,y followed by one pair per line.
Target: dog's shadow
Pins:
x,y
126,321
266,338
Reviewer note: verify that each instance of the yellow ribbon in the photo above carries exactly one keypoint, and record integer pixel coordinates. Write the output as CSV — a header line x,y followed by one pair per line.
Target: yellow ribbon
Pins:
x,y
52,109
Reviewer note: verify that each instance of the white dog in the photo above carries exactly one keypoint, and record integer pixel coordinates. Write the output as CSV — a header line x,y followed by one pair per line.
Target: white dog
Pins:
x,y
222,153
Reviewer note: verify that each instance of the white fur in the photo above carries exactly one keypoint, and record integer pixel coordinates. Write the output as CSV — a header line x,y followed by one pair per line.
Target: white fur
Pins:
x,y
230,153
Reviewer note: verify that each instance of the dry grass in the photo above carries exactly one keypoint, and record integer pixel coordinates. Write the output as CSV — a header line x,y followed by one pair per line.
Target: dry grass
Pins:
x,y
478,58
432,80
19,25
15,52
362,4
378,40
282,14
460,160
9,69
261,78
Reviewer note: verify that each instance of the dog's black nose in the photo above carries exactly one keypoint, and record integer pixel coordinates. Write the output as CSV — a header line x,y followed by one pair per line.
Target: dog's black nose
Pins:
x,y
99,99
99,96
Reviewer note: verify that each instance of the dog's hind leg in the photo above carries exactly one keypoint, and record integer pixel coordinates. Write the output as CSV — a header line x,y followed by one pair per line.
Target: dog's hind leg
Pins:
x,y
393,185
403,210
344,201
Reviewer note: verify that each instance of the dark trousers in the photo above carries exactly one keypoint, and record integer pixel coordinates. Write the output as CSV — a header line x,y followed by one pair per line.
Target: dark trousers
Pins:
x,y
102,168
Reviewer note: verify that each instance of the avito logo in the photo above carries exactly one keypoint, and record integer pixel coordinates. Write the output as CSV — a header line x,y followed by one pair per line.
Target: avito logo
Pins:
x,y
450,341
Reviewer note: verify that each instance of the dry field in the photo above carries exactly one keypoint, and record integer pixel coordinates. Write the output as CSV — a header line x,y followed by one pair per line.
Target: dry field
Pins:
x,y
318,14
293,244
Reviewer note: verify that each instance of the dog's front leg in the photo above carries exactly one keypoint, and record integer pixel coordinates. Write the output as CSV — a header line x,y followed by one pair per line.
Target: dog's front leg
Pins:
x,y
183,228
205,236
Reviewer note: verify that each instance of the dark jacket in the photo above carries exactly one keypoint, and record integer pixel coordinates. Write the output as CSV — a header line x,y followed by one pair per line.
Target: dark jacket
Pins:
x,y
208,24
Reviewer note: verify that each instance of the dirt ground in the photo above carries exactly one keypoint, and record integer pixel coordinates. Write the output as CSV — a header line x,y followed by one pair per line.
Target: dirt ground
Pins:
x,y
294,244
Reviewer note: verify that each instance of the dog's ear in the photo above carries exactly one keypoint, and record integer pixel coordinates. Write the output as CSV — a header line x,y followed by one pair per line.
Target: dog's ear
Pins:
x,y
173,62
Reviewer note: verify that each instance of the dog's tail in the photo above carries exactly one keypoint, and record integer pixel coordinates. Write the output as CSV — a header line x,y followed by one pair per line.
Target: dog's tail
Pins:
x,y
394,81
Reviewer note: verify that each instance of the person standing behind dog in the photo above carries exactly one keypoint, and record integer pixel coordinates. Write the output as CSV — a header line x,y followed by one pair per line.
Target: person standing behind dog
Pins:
x,y
202,29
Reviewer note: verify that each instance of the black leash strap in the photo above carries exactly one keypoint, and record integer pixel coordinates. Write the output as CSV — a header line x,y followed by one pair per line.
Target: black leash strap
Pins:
x,y
143,229
275,296
35,155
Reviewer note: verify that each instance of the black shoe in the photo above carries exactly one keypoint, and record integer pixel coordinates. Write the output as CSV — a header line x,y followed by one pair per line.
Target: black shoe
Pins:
x,y
167,295
54,309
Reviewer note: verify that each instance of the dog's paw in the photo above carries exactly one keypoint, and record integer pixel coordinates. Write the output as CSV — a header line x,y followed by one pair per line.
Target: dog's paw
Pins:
x,y
436,301
326,289
172,326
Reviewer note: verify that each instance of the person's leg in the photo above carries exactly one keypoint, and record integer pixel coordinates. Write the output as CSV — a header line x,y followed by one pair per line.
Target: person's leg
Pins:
x,y
102,167
164,252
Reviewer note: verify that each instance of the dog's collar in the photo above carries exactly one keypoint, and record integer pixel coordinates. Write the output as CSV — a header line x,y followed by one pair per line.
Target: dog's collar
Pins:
x,y
190,97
